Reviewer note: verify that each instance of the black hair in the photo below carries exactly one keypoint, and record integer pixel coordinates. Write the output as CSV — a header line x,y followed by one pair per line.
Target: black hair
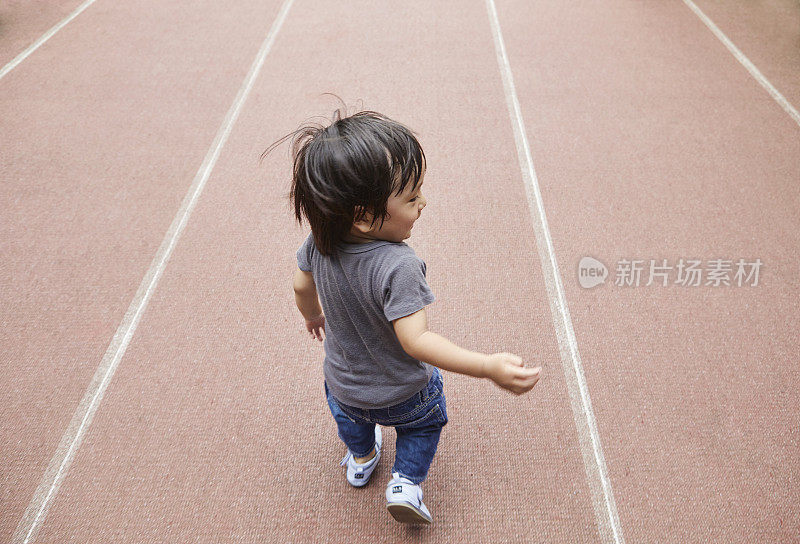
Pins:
x,y
347,169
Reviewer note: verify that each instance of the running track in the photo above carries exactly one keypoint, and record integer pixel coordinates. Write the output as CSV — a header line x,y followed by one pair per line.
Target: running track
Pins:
x,y
133,202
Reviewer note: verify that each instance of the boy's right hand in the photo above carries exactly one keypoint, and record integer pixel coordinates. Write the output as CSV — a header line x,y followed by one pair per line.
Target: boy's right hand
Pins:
x,y
507,371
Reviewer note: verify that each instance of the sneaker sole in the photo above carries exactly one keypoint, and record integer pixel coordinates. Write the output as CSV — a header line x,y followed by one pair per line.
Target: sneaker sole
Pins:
x,y
405,512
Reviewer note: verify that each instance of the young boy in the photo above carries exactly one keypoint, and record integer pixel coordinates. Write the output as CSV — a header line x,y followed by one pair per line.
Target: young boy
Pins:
x,y
359,183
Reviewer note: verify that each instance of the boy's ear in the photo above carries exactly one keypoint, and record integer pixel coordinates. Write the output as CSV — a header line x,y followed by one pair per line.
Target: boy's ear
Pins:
x,y
364,224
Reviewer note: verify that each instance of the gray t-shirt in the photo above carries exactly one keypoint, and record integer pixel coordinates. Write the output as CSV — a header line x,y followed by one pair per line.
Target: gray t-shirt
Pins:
x,y
362,289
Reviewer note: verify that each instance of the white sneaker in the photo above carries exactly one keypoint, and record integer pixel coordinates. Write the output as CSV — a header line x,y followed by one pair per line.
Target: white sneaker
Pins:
x,y
404,501
358,473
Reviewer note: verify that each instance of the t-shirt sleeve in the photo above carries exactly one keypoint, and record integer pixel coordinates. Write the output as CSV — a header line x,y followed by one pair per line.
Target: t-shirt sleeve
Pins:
x,y
405,290
304,254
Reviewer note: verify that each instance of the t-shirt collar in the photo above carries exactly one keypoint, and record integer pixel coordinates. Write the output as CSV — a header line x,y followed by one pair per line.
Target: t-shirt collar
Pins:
x,y
348,247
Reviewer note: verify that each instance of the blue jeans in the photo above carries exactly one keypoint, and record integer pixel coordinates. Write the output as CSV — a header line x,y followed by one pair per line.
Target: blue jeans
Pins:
x,y
418,422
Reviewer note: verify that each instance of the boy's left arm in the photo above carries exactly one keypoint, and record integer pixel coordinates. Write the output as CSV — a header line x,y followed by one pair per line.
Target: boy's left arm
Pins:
x,y
305,296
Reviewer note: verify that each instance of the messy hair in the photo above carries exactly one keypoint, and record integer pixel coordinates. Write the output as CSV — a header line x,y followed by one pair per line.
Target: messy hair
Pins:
x,y
347,169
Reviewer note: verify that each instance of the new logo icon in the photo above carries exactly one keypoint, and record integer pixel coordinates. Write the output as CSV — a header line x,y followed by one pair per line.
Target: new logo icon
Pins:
x,y
591,272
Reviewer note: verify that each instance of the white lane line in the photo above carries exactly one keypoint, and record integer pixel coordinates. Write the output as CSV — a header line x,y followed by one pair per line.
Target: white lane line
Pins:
x,y
46,36
788,108
70,442
597,476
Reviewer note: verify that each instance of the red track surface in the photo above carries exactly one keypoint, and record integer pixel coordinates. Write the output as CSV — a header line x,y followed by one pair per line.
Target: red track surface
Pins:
x,y
650,141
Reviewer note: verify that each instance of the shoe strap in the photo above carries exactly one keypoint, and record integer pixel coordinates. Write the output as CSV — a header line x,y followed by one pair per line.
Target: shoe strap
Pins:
x,y
359,466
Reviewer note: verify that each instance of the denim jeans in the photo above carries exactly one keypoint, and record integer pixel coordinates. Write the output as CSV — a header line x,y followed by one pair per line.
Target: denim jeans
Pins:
x,y
417,420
